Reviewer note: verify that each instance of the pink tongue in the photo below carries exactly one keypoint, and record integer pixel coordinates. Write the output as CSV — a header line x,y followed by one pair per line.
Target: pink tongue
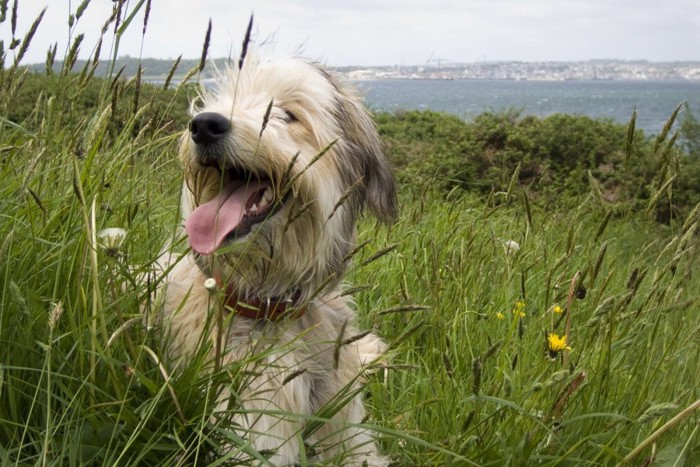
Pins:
x,y
210,223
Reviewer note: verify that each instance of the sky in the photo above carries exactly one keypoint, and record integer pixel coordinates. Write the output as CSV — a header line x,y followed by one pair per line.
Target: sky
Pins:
x,y
383,32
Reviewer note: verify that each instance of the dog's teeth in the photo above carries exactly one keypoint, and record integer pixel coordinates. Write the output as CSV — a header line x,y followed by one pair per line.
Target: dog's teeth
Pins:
x,y
267,196
253,208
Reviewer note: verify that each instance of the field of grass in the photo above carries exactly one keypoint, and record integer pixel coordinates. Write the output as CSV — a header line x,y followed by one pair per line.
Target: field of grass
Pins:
x,y
473,293
473,372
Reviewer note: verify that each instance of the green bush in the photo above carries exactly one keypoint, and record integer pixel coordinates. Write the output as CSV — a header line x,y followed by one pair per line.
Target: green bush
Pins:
x,y
65,100
557,159
690,132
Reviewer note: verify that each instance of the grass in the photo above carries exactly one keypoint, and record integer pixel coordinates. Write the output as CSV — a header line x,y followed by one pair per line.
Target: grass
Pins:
x,y
473,372
470,378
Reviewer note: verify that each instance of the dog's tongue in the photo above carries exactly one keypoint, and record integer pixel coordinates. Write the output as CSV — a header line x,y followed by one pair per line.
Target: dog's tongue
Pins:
x,y
209,224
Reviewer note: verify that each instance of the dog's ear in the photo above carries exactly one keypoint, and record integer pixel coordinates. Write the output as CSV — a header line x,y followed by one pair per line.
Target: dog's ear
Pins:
x,y
362,142
379,179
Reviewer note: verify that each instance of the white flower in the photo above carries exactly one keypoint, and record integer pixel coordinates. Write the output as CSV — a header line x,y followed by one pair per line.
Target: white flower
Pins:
x,y
511,246
112,238
210,284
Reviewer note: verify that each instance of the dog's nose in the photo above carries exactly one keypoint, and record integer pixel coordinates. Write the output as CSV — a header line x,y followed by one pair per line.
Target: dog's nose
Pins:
x,y
209,128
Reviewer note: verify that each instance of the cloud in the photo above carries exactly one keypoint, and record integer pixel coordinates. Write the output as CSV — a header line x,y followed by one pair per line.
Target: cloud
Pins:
x,y
394,31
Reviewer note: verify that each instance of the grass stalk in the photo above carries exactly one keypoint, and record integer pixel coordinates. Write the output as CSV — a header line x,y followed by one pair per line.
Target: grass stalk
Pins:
x,y
657,434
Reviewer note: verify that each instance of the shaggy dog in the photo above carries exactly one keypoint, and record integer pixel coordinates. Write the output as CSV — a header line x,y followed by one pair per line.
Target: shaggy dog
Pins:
x,y
280,159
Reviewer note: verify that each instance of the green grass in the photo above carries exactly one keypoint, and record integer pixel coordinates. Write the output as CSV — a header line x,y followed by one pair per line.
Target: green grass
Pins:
x,y
486,388
83,382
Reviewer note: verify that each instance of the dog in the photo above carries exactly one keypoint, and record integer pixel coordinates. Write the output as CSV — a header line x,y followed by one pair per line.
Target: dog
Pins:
x,y
280,159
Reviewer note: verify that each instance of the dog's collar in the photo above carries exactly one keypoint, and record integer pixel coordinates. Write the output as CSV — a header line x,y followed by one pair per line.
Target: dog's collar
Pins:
x,y
269,309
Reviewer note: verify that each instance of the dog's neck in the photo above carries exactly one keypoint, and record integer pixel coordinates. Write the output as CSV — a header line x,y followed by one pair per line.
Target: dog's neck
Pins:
x,y
269,309
257,308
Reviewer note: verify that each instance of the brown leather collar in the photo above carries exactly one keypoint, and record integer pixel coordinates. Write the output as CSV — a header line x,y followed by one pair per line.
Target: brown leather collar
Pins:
x,y
270,309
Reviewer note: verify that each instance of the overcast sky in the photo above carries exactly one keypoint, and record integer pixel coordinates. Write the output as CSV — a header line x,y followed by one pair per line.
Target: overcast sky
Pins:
x,y
387,32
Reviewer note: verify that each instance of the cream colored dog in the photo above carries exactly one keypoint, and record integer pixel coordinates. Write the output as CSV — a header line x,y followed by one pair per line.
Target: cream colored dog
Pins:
x,y
280,159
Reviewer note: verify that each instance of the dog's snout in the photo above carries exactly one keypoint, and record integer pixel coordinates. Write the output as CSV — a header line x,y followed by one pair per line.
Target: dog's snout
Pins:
x,y
209,128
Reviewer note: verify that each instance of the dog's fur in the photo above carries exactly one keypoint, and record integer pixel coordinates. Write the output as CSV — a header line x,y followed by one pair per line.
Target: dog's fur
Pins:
x,y
307,132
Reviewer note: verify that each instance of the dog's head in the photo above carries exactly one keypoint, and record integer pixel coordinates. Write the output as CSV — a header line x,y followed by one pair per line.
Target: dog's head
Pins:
x,y
280,159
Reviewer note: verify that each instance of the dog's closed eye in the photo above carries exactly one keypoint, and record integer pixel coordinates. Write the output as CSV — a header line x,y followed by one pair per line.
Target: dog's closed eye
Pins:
x,y
289,116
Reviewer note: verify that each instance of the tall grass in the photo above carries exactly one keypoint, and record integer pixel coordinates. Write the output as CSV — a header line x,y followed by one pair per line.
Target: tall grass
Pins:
x,y
467,314
474,372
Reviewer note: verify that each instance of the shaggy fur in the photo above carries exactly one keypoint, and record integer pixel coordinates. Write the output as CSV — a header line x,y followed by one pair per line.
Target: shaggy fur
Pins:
x,y
305,137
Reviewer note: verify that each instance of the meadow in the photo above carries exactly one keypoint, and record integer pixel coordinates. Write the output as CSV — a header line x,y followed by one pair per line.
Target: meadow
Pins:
x,y
533,317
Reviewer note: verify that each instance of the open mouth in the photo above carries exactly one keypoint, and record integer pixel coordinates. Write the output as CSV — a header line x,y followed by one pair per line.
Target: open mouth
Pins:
x,y
243,201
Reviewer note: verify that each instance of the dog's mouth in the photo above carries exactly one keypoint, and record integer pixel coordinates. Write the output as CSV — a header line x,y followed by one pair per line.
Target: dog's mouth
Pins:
x,y
243,201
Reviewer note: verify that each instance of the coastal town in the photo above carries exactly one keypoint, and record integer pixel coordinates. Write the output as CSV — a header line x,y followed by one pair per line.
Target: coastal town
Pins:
x,y
439,68
534,71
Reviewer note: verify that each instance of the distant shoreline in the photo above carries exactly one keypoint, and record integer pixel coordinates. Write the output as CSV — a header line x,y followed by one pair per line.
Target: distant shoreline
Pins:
x,y
653,101
595,70
536,80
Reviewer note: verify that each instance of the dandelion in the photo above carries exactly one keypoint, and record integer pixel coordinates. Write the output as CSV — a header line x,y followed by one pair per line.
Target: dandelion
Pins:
x,y
111,239
518,308
557,309
500,315
556,344
210,284
511,246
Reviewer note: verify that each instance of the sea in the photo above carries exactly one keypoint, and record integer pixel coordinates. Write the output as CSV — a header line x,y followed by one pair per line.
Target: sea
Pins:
x,y
654,101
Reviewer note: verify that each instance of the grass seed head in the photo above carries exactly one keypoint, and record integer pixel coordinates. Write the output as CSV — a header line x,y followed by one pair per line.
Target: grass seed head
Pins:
x,y
246,42
476,376
205,48
656,411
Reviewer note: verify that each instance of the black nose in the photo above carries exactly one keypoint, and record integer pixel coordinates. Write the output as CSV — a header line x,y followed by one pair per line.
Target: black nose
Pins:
x,y
209,128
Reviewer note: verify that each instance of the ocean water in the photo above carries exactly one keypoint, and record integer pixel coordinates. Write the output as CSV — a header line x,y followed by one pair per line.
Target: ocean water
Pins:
x,y
654,100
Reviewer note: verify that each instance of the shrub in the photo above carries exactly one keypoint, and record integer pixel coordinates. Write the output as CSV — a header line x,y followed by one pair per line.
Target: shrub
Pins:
x,y
557,158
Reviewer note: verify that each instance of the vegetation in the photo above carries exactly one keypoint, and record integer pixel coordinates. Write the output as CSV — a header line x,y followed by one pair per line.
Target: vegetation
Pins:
x,y
78,97
153,69
475,373
515,232
556,159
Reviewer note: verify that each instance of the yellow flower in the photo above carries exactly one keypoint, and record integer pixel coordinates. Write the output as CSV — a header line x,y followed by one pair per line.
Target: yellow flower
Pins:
x,y
500,315
518,308
557,309
556,344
